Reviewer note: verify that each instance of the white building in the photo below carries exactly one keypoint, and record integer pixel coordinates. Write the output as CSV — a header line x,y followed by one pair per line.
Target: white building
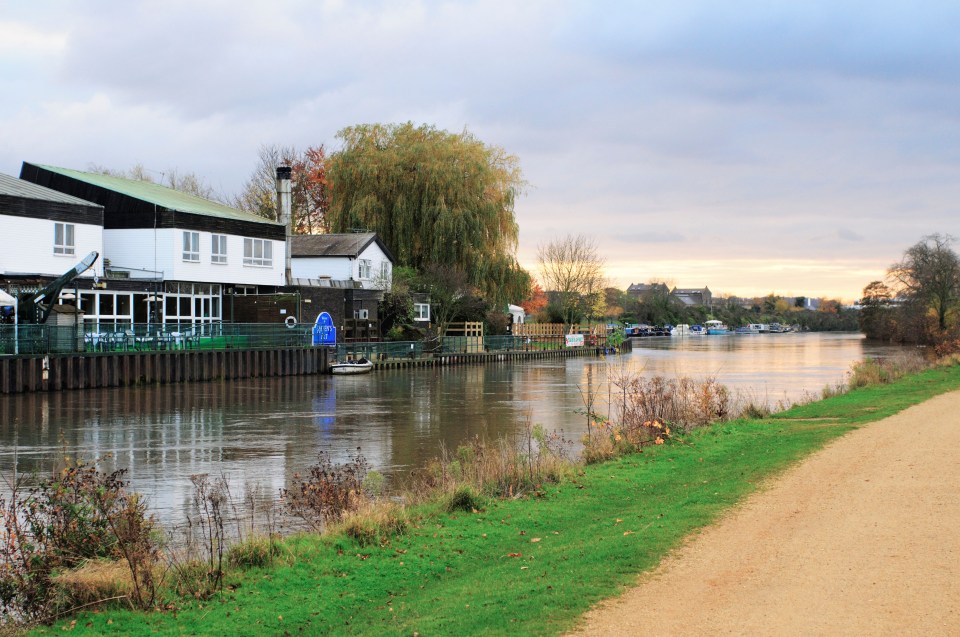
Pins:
x,y
360,258
169,256
44,233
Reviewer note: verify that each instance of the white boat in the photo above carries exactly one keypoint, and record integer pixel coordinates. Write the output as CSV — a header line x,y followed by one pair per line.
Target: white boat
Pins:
x,y
359,366
715,327
680,330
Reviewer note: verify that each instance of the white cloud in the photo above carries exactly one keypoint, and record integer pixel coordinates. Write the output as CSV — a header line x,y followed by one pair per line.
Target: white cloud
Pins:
x,y
671,133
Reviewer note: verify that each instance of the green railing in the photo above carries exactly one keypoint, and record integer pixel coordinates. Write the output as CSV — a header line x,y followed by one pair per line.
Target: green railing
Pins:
x,y
381,350
125,337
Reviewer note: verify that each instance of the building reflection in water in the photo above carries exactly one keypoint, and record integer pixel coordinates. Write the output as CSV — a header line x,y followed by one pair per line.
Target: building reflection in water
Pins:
x,y
261,431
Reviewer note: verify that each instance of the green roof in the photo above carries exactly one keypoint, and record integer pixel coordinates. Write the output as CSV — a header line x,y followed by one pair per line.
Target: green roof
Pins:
x,y
161,195
27,190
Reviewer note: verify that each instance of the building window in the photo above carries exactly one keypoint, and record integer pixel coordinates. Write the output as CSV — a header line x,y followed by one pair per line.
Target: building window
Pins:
x,y
421,311
63,239
365,268
218,248
191,246
385,273
258,252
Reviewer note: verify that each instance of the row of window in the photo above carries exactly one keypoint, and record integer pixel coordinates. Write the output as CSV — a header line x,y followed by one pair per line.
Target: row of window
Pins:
x,y
256,252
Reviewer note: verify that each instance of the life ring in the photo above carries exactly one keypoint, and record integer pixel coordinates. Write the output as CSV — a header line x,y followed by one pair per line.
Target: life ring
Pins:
x,y
291,321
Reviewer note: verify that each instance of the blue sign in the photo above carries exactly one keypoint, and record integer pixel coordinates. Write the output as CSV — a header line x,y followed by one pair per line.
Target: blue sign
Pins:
x,y
324,333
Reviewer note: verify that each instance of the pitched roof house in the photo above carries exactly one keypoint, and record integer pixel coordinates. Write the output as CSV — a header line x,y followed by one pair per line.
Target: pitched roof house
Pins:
x,y
694,296
359,260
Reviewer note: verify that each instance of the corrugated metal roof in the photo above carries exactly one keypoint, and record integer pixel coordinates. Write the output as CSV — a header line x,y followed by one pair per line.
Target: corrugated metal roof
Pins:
x,y
331,245
21,188
160,195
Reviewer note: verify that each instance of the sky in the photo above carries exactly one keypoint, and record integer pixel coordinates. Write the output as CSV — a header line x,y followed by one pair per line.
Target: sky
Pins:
x,y
753,147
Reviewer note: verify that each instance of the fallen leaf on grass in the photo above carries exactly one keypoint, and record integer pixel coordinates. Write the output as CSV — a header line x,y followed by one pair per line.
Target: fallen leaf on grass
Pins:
x,y
536,539
628,532
514,554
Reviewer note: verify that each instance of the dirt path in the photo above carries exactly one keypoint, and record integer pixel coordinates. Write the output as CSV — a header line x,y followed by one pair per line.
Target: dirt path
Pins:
x,y
862,538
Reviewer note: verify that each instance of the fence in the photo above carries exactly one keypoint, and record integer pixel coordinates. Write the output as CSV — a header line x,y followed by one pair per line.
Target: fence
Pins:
x,y
376,351
93,337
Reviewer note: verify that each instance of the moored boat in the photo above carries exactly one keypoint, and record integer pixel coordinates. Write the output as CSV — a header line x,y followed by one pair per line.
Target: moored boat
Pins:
x,y
359,366
715,327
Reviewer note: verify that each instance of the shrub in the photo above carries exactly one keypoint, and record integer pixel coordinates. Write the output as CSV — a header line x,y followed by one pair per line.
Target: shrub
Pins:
x,y
374,523
884,370
463,499
327,491
77,515
255,552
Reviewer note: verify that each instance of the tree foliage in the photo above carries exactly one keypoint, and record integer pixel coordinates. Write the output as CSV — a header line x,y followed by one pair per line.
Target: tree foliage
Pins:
x,y
435,198
572,268
929,275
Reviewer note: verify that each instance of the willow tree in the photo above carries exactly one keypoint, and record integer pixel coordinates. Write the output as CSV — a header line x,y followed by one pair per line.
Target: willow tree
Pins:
x,y
435,198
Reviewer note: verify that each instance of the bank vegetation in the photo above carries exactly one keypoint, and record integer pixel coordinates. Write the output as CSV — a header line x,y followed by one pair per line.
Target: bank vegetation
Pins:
x,y
449,548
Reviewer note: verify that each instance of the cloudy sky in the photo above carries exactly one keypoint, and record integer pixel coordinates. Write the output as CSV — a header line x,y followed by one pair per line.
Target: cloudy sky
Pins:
x,y
793,147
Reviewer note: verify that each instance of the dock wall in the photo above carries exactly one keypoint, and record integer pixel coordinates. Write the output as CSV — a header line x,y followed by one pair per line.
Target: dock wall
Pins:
x,y
57,372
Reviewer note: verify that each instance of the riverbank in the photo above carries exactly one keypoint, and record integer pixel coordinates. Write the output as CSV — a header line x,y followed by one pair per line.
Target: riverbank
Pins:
x,y
529,566
858,539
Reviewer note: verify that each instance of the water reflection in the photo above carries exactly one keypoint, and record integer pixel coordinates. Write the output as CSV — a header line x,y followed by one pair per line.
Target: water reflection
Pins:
x,y
261,431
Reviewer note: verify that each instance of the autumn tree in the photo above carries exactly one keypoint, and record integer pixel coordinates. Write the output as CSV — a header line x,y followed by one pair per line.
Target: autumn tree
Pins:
x,y
435,198
929,276
572,268
536,304
309,189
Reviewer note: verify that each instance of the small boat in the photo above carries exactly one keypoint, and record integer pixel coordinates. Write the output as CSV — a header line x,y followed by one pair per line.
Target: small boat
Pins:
x,y
715,327
680,330
359,366
697,330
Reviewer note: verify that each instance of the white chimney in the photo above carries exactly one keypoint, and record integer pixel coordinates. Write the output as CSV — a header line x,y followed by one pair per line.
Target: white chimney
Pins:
x,y
285,216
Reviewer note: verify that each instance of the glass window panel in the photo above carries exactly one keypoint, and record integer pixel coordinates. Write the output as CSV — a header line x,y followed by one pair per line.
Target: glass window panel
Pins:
x,y
184,306
106,304
123,305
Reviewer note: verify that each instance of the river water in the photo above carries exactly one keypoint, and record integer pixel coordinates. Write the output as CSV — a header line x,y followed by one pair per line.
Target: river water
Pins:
x,y
260,431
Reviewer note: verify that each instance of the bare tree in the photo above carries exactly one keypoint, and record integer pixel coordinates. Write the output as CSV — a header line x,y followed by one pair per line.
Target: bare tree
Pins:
x,y
929,275
572,268
187,182
259,194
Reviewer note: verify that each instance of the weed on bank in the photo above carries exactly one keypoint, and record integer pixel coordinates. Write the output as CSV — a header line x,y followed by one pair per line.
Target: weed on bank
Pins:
x,y
471,563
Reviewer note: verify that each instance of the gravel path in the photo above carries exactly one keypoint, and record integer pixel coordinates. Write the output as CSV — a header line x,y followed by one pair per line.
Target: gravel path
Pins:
x,y
862,538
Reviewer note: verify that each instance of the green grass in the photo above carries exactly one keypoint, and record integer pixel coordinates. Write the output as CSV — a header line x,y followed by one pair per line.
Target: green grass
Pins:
x,y
483,573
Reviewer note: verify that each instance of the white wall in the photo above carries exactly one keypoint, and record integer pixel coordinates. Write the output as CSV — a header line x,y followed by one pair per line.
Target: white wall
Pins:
x,y
135,249
336,268
345,268
26,246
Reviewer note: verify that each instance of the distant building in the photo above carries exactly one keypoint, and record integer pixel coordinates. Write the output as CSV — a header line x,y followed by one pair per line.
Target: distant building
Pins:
x,y
643,291
694,296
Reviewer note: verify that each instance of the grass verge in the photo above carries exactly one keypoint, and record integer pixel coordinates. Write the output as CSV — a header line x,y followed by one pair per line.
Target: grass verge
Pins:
x,y
520,567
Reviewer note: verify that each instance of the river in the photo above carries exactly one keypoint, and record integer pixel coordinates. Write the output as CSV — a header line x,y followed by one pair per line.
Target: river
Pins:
x,y
260,431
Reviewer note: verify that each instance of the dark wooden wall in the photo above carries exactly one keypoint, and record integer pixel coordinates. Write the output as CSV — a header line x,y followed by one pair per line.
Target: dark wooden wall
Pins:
x,y
87,371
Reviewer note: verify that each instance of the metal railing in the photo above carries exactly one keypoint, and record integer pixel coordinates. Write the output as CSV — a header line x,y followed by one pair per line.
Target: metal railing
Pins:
x,y
126,337
376,351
